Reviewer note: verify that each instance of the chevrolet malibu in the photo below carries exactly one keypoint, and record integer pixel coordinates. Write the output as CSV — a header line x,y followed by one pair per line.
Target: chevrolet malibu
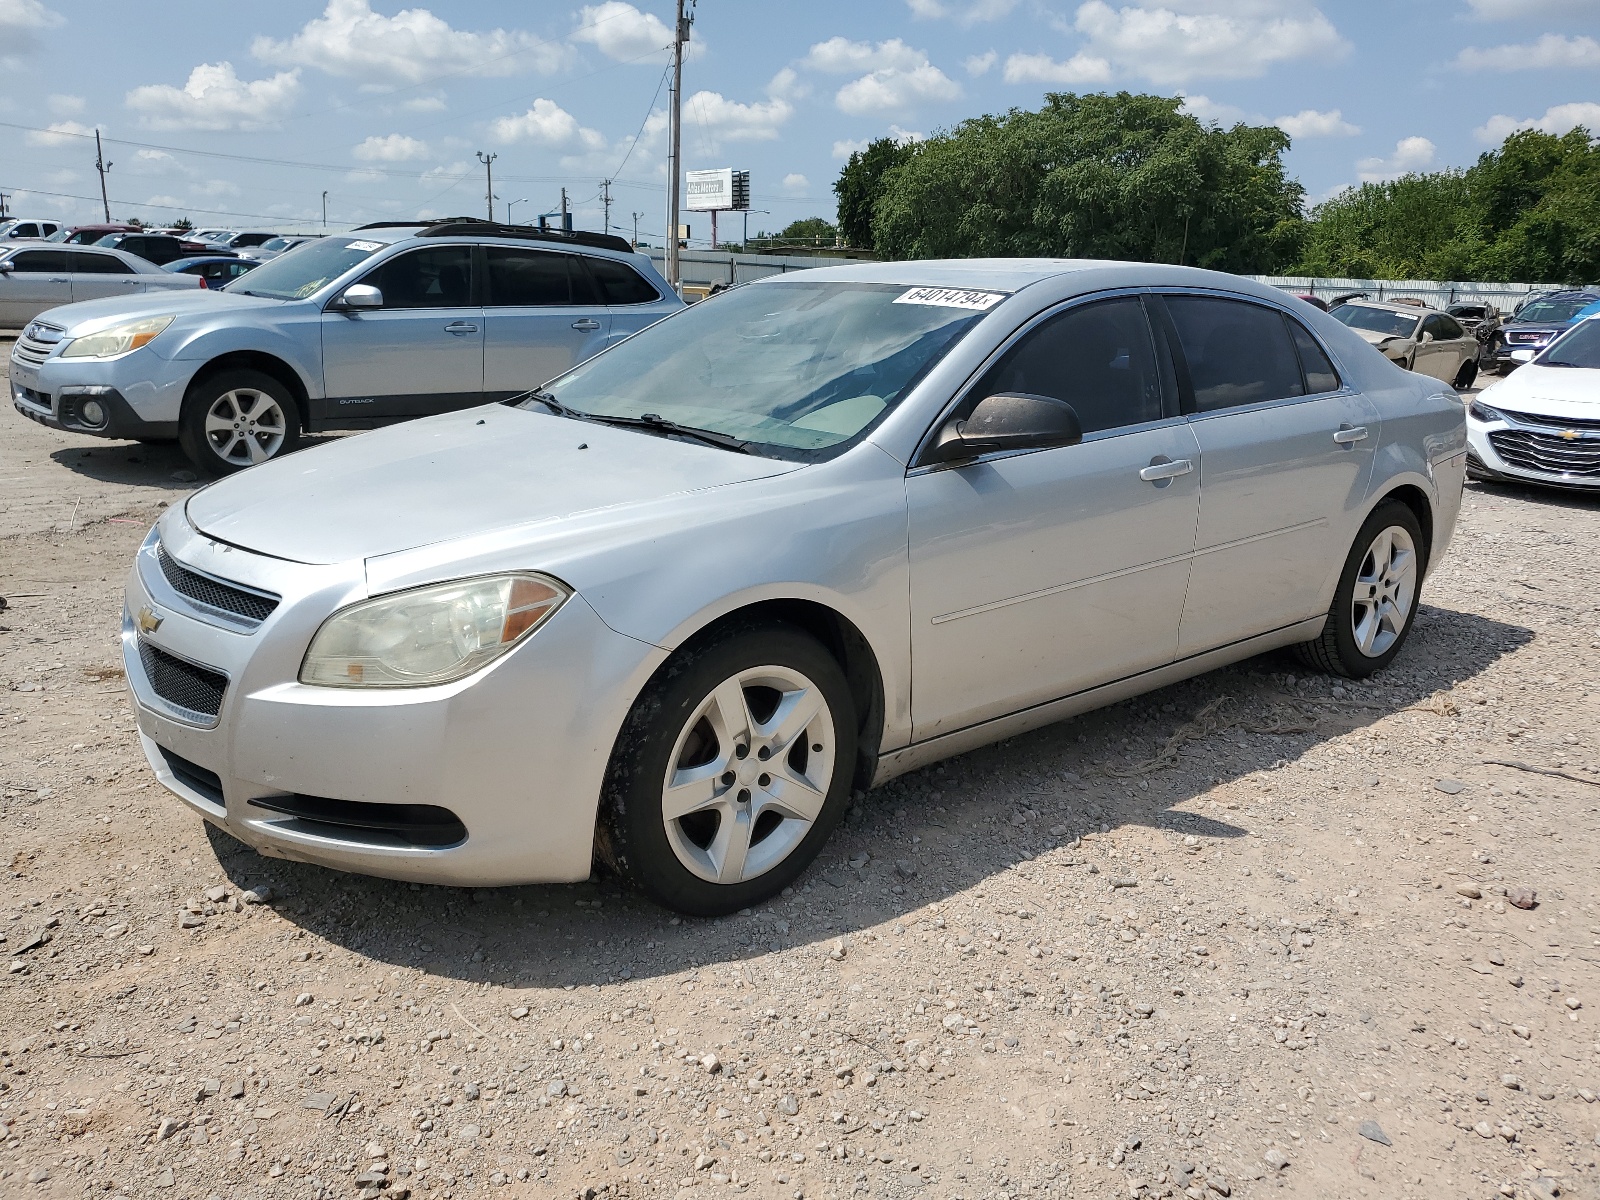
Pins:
x,y
666,612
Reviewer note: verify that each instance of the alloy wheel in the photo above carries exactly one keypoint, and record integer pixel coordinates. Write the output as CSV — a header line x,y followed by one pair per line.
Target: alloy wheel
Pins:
x,y
1385,590
245,426
749,774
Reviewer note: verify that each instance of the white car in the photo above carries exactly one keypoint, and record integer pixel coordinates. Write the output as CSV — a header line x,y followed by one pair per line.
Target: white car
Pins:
x,y
1542,423
26,229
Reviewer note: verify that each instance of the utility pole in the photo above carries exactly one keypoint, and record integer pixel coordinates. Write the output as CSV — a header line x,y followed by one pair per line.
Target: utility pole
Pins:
x,y
4,196
324,210
680,36
101,165
488,196
566,219
636,217
605,198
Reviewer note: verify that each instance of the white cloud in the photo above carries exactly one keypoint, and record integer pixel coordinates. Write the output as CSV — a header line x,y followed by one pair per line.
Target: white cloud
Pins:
x,y
67,106
215,98
59,133
20,20
1505,10
154,155
1552,52
841,56
714,119
423,104
365,175
620,31
1309,123
1186,40
395,147
787,85
979,64
547,124
1410,154
845,147
906,136
449,172
898,76
352,41
1560,119
1041,68
795,184
969,12
1204,108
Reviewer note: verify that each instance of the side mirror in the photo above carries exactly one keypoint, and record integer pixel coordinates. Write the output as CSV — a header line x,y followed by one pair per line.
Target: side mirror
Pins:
x,y
1008,421
360,295
1523,356
1425,338
7,267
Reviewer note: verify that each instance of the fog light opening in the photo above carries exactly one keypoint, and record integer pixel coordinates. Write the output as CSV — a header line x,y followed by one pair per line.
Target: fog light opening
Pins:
x,y
92,413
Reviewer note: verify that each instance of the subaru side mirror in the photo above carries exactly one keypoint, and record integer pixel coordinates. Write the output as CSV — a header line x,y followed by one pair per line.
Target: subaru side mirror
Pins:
x,y
361,295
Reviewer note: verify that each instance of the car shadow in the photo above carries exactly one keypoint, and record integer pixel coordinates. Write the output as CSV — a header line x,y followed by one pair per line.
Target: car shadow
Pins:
x,y
141,464
937,833
1565,499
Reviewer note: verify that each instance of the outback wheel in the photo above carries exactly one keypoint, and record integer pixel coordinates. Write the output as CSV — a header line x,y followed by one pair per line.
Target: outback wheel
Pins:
x,y
1376,600
731,771
237,419
1466,376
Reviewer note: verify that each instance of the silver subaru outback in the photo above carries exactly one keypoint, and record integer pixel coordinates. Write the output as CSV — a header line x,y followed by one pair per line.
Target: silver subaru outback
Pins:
x,y
348,332
800,538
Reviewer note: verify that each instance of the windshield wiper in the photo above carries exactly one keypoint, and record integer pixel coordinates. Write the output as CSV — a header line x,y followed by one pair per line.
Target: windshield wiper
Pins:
x,y
659,424
546,399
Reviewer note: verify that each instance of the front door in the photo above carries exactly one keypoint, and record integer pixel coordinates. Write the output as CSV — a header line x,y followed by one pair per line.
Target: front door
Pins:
x,y
543,316
1040,574
37,281
1286,456
420,353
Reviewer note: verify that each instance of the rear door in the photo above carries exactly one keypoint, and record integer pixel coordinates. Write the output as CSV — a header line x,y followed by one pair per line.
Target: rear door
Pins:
x,y
421,353
95,274
1286,455
544,318
37,281
632,300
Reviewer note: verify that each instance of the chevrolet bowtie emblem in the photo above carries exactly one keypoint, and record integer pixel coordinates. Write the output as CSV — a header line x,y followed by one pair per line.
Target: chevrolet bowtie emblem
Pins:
x,y
148,621
1570,435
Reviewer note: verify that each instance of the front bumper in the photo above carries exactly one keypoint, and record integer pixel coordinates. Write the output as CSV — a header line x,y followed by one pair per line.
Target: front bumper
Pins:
x,y
491,780
140,394
1553,455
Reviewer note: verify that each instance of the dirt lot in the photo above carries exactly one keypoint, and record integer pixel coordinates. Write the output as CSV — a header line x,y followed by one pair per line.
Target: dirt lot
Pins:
x,y
1251,935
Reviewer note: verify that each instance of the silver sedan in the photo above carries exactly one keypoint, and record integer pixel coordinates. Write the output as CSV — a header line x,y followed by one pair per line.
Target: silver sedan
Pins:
x,y
797,539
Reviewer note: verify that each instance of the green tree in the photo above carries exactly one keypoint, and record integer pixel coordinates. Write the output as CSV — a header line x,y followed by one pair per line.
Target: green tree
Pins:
x,y
861,182
1096,176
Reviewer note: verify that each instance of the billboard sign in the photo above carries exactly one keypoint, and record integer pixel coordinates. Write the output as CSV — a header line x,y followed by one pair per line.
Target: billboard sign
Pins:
x,y
721,190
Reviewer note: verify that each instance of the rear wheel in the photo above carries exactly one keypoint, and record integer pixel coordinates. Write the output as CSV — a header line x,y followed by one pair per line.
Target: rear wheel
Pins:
x,y
237,419
731,771
1465,377
1375,602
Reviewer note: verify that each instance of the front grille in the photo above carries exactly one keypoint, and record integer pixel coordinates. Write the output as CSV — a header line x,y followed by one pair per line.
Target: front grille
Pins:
x,y
1553,422
36,342
1534,336
421,825
194,776
1548,453
213,593
181,683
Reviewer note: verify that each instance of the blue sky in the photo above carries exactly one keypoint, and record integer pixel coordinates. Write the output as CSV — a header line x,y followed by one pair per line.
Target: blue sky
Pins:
x,y
386,107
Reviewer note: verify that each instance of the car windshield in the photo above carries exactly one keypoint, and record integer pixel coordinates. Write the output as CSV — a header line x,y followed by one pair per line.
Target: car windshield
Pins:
x,y
276,243
796,370
305,269
1557,309
59,235
1376,320
1578,347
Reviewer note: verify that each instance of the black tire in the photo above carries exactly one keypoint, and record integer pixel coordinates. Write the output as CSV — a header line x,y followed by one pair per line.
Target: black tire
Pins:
x,y
214,456
633,837
1336,650
1466,375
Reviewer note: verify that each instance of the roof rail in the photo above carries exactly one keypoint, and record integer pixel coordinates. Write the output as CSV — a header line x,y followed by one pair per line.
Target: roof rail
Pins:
x,y
456,226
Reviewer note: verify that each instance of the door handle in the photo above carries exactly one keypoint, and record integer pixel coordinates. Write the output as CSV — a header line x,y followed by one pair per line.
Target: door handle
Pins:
x,y
62,279
1348,434
1168,469
586,325
461,327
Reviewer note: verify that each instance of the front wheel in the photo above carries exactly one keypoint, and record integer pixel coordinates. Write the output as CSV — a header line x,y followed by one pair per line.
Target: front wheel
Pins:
x,y
1376,600
731,771
1466,375
236,419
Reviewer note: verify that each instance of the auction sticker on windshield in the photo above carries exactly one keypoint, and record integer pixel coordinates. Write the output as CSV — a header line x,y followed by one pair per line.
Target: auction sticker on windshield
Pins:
x,y
951,298
364,246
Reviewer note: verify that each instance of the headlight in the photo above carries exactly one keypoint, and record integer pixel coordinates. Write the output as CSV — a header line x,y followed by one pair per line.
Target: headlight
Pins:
x,y
1483,412
429,635
116,339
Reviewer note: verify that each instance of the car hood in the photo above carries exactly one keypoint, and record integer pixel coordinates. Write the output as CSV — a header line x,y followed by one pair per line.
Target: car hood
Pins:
x,y
172,298
454,476
1534,326
1373,338
1548,392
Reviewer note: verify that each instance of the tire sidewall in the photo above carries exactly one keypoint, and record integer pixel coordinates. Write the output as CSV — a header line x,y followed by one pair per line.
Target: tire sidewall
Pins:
x,y
635,833
191,422
1355,664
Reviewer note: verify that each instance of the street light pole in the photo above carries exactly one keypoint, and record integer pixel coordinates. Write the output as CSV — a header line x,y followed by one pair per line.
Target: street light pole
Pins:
x,y
324,210
488,167
509,203
636,217
759,211
680,35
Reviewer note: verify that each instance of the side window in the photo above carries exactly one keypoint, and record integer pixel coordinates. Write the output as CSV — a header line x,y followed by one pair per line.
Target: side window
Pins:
x,y
438,277
40,261
1238,353
25,230
1320,375
521,278
85,262
1449,329
620,283
1098,358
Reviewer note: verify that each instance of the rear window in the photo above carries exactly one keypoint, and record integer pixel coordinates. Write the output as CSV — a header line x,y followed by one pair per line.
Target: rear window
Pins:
x,y
620,283
523,278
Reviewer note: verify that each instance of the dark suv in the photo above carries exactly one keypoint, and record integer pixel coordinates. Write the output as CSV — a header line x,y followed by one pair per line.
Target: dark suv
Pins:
x,y
1539,323
159,248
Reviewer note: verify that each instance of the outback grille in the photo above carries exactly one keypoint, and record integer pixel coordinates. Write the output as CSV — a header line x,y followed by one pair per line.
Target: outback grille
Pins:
x,y
36,342
213,593
180,683
1548,453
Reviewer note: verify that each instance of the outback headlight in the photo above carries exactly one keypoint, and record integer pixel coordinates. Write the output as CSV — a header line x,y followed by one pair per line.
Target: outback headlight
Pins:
x,y
116,339
429,635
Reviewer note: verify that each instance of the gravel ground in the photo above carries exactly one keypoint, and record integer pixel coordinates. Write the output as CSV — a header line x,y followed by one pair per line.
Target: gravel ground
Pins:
x,y
1254,933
